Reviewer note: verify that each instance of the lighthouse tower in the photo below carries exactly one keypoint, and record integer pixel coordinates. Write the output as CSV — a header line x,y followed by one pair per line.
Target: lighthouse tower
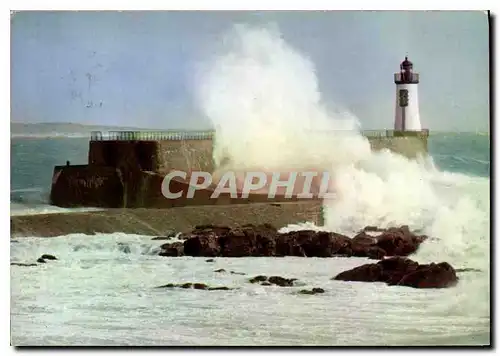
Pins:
x,y
407,116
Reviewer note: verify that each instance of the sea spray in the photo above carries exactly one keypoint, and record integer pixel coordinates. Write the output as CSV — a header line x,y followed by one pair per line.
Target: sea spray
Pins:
x,y
263,98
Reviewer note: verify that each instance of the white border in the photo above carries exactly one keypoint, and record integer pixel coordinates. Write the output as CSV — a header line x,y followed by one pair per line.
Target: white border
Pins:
x,y
183,5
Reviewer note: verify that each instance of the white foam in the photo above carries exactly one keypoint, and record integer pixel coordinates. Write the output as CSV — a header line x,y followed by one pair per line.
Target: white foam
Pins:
x,y
101,291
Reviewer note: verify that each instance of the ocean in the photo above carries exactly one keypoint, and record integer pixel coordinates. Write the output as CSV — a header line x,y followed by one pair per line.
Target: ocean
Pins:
x,y
101,290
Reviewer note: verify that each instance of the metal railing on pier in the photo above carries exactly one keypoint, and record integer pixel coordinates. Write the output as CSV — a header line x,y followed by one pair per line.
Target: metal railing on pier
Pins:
x,y
151,135
209,135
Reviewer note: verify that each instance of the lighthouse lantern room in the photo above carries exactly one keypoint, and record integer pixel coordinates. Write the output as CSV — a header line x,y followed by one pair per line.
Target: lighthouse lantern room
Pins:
x,y
407,116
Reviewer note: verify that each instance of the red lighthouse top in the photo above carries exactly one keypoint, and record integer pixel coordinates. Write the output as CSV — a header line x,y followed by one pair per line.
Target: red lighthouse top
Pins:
x,y
406,75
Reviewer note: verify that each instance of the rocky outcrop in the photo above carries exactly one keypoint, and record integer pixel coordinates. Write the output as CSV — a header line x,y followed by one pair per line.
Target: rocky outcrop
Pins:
x,y
276,280
23,264
312,291
264,240
403,272
42,259
48,257
175,249
201,286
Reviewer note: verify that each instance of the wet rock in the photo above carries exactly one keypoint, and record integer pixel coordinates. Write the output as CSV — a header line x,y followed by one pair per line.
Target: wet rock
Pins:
x,y
210,260
312,292
308,243
203,243
403,271
48,257
23,264
219,288
440,275
169,285
175,249
220,270
258,279
200,286
282,282
249,240
41,260
462,270
399,241
264,240
364,239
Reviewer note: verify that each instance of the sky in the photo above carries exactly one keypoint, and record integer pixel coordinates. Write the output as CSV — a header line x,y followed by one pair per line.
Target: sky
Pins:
x,y
134,68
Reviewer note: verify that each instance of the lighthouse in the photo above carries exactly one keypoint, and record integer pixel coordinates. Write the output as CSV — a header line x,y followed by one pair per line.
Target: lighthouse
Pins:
x,y
407,116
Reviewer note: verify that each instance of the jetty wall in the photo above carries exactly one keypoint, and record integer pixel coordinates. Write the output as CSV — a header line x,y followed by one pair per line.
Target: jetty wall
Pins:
x,y
85,185
126,169
156,222
410,146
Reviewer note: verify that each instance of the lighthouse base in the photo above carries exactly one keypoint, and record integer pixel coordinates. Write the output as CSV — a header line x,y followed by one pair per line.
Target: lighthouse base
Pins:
x,y
410,144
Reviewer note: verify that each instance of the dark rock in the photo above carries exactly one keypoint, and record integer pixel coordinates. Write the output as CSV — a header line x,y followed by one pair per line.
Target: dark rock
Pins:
x,y
239,273
312,292
258,279
200,286
249,240
265,283
364,239
210,260
175,249
23,264
403,271
48,257
204,243
375,253
441,275
282,282
220,270
14,241
364,273
219,288
308,243
318,290
264,240
169,285
41,260
462,270
399,241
